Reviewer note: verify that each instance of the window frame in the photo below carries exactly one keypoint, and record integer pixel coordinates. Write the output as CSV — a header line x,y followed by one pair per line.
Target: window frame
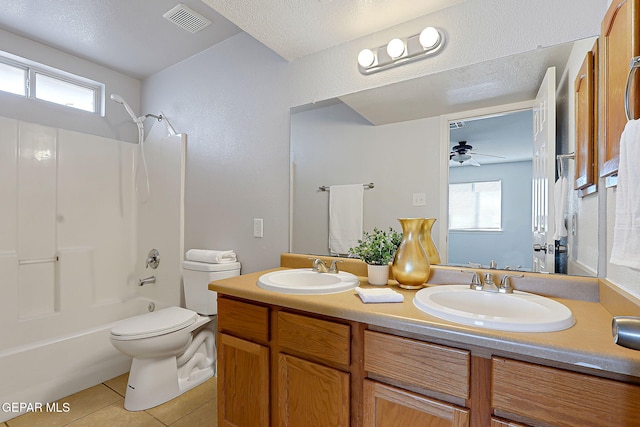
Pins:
x,y
32,68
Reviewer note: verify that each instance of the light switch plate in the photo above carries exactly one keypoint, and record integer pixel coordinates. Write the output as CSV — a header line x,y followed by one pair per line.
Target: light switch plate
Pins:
x,y
419,199
258,230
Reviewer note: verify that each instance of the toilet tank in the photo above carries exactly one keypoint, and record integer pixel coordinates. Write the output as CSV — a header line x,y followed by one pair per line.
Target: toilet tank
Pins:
x,y
196,277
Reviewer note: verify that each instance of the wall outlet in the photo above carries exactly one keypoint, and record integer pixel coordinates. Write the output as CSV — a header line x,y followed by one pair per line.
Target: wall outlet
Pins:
x,y
419,199
258,230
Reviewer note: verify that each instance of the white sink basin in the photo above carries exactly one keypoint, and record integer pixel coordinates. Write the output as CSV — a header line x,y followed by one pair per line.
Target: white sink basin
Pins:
x,y
517,312
307,281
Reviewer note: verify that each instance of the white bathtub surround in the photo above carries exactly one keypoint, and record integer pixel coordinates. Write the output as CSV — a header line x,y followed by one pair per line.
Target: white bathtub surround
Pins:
x,y
70,231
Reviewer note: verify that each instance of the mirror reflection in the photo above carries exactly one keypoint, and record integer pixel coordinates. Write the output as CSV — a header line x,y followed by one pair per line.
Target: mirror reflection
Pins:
x,y
393,137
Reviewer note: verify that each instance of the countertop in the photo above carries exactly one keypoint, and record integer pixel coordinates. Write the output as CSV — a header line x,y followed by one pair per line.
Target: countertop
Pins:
x,y
585,347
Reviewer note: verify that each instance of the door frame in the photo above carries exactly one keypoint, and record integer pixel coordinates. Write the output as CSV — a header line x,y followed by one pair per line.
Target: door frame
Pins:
x,y
445,147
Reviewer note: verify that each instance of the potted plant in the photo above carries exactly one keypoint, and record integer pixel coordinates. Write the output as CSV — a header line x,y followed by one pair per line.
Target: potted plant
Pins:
x,y
377,249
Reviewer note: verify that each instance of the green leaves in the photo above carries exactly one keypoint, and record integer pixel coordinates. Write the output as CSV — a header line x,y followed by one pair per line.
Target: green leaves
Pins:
x,y
378,247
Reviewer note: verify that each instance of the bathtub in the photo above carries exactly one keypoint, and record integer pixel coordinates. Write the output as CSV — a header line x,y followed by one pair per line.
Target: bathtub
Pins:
x,y
48,370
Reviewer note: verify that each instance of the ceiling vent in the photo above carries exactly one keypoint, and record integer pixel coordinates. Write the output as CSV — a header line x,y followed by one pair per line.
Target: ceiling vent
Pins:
x,y
456,125
187,18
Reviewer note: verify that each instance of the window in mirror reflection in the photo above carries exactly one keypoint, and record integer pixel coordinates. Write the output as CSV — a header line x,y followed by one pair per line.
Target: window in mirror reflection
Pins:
x,y
475,206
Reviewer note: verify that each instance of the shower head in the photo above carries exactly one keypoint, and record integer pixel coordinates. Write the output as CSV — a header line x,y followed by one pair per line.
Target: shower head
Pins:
x,y
117,98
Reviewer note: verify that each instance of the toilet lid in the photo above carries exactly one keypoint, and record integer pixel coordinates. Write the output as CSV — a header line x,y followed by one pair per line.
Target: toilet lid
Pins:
x,y
159,322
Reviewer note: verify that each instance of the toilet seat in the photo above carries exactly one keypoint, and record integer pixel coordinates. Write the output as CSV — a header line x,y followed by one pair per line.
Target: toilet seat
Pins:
x,y
155,323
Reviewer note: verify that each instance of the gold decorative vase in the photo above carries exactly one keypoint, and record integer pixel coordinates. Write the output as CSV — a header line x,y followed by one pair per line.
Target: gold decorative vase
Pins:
x,y
410,265
427,241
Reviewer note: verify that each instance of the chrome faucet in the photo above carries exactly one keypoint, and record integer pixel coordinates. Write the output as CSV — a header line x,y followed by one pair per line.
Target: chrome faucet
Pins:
x,y
505,284
489,283
319,265
146,280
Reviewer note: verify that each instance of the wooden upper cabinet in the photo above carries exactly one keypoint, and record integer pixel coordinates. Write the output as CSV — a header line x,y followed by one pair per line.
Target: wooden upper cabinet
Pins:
x,y
585,99
619,43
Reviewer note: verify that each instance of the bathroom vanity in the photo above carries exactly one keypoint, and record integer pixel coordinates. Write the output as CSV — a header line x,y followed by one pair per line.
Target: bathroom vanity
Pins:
x,y
331,360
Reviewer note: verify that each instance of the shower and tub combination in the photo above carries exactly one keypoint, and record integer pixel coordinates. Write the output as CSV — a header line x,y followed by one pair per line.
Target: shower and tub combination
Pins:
x,y
74,237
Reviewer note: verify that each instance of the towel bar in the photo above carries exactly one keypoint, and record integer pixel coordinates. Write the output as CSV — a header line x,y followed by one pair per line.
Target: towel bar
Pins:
x,y
635,63
366,187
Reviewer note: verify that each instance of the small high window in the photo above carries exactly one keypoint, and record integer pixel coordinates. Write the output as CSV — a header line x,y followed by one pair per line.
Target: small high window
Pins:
x,y
475,206
26,78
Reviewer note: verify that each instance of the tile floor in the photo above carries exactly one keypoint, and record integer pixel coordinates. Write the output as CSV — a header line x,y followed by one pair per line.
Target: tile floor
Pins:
x,y
103,405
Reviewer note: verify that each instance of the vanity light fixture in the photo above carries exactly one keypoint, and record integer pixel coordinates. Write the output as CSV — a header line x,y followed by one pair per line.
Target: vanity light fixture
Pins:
x,y
399,51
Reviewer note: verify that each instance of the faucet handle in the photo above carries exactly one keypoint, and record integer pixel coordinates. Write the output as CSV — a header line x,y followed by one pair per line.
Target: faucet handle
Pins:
x,y
334,267
505,284
476,283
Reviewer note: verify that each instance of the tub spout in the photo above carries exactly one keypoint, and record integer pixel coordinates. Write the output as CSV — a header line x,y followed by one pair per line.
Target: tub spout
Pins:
x,y
150,279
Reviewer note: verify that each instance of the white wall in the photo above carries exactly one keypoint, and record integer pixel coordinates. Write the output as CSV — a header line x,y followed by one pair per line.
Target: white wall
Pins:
x,y
512,245
335,145
232,100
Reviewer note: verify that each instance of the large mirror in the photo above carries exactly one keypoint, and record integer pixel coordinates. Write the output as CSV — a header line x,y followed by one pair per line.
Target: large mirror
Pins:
x,y
396,138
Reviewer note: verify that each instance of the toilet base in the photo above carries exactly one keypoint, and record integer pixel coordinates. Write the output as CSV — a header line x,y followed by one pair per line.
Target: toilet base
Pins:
x,y
154,381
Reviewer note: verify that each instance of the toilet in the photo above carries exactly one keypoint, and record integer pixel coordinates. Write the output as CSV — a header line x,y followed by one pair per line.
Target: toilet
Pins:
x,y
171,350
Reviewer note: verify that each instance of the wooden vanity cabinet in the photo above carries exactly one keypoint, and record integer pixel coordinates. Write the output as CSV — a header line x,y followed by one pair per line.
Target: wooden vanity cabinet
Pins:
x,y
411,364
619,43
313,359
243,364
552,396
277,367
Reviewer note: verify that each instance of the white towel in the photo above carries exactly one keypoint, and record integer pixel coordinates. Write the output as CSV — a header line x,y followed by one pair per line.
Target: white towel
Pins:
x,y
379,295
560,205
210,256
345,217
626,231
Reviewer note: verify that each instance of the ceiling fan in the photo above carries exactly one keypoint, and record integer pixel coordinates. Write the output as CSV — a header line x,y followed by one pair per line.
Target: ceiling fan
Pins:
x,y
461,153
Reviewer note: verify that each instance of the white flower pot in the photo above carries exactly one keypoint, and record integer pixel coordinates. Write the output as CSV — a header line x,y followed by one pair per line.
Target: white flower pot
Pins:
x,y
378,274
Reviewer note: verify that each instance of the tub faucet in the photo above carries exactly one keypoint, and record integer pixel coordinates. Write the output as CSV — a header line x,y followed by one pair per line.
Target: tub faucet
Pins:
x,y
146,280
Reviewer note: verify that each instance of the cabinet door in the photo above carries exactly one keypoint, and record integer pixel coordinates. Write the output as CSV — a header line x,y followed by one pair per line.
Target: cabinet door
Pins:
x,y
386,406
585,123
502,423
619,43
243,383
311,394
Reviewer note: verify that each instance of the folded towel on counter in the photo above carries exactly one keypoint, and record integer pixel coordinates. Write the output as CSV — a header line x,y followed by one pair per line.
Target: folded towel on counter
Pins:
x,y
379,295
626,232
210,256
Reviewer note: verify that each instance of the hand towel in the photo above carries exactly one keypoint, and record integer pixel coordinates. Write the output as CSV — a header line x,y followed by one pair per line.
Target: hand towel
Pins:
x,y
626,231
560,205
379,295
345,217
210,256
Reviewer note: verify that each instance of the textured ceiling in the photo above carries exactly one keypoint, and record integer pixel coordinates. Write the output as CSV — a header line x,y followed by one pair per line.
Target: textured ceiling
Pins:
x,y
129,36
294,29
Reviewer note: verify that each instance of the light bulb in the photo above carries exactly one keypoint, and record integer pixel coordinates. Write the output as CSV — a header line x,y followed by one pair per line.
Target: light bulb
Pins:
x,y
395,48
366,58
429,37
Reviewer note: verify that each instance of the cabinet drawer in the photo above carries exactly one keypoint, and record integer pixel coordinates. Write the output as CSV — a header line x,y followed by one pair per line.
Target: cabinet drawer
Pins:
x,y
430,366
317,339
562,397
243,319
